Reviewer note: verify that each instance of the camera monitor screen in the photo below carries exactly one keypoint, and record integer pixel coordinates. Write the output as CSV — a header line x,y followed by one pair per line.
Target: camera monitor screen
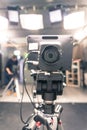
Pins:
x,y
33,46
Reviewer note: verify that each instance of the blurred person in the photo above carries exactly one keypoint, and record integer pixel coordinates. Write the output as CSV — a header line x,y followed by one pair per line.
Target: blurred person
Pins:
x,y
10,72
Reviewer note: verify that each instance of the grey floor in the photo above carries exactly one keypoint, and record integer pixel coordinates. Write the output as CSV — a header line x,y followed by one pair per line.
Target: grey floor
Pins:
x,y
73,100
74,116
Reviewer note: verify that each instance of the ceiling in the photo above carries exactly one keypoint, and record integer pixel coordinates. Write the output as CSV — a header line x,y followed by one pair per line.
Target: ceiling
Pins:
x,y
17,31
4,3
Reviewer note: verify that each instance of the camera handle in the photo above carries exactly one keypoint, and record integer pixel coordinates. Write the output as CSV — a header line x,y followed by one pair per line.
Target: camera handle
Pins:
x,y
47,120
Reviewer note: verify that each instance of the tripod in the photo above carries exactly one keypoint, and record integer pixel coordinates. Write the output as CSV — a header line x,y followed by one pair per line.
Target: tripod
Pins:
x,y
47,115
41,121
14,82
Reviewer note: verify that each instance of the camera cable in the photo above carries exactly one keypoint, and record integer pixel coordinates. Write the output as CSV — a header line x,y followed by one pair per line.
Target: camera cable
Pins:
x,y
21,103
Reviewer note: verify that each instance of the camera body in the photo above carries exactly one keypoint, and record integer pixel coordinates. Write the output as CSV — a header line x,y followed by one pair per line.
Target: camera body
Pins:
x,y
49,56
52,53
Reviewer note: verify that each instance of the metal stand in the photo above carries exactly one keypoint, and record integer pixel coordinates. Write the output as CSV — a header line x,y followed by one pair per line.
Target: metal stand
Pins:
x,y
47,115
41,121
17,89
7,86
16,85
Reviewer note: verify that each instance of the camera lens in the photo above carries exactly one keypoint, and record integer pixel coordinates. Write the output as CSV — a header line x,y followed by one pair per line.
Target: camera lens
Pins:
x,y
50,54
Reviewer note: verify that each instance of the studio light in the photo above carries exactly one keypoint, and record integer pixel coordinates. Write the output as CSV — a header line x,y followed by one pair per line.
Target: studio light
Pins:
x,y
74,20
3,23
13,15
31,21
55,15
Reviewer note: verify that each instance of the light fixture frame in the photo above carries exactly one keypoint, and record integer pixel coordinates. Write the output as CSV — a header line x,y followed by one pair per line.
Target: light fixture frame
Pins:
x,y
55,14
13,15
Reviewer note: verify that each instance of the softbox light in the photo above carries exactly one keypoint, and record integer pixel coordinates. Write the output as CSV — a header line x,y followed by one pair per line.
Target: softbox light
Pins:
x,y
74,20
55,15
3,23
31,21
13,15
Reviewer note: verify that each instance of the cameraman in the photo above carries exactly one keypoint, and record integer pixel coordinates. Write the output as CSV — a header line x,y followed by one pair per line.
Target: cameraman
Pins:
x,y
10,72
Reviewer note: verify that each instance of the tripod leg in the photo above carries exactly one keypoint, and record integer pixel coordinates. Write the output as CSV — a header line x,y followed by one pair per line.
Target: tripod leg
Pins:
x,y
17,89
59,125
7,87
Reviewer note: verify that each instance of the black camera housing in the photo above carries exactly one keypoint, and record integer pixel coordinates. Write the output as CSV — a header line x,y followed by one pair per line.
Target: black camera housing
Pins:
x,y
52,54
50,85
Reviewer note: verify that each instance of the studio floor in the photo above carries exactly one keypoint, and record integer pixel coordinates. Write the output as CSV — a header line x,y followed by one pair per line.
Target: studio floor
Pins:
x,y
74,116
73,100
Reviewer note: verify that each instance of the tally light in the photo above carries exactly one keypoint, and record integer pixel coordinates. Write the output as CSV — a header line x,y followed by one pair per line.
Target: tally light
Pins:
x,y
31,21
3,23
74,20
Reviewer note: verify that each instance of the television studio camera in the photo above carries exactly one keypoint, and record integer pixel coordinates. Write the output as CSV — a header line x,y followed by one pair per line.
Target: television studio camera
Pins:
x,y
49,56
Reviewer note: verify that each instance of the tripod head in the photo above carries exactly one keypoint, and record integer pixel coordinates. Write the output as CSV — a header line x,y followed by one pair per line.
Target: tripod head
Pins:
x,y
49,85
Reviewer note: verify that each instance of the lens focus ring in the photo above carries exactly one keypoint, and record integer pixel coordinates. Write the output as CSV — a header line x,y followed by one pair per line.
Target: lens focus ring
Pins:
x,y
50,54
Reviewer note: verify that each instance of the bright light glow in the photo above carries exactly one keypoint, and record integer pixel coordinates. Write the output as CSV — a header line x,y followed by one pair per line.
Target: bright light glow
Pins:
x,y
31,21
55,16
33,46
13,16
17,52
3,36
3,23
81,34
74,20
